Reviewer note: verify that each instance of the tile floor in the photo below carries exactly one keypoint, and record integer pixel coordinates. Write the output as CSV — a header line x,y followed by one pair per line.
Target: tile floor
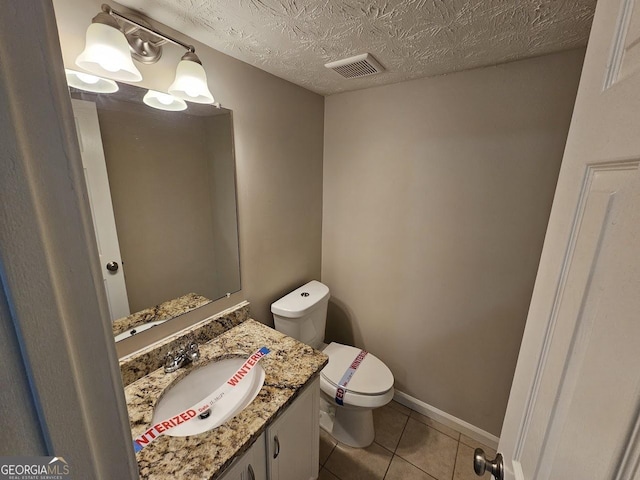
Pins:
x,y
408,446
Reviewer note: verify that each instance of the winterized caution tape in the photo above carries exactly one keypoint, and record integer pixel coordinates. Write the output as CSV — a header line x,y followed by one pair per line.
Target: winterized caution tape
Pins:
x,y
347,376
164,426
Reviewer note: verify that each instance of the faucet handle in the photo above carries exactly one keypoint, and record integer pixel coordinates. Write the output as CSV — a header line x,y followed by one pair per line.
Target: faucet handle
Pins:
x,y
170,362
186,352
193,351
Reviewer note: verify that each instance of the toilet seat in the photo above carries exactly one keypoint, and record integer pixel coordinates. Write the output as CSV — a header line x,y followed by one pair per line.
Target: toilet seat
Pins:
x,y
371,385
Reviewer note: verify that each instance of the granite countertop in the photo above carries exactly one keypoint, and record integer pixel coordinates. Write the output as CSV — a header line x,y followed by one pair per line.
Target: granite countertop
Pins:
x,y
164,311
288,368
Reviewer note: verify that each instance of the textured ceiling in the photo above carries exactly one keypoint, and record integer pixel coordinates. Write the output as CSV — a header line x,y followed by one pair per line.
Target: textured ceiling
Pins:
x,y
293,39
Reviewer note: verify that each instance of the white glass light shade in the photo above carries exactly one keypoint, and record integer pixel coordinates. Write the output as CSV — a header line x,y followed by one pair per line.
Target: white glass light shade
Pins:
x,y
106,53
90,83
163,101
191,83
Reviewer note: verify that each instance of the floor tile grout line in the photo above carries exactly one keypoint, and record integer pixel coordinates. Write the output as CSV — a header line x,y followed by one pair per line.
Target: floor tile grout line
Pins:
x,y
416,466
382,446
329,470
388,466
332,449
393,453
327,460
404,427
455,463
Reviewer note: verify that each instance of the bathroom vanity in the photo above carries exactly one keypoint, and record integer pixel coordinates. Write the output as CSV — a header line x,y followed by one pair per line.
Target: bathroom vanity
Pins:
x,y
275,437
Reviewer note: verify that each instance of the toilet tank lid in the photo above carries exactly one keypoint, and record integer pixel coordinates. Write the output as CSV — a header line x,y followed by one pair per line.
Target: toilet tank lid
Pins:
x,y
301,301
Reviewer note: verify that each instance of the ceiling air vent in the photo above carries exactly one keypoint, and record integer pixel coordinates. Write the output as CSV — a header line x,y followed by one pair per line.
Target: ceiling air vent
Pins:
x,y
355,67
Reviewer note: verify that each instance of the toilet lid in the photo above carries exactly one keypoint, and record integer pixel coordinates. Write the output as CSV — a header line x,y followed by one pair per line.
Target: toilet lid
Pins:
x,y
371,378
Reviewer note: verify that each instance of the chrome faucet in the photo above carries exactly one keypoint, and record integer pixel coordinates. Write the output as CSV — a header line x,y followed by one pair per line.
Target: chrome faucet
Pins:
x,y
186,353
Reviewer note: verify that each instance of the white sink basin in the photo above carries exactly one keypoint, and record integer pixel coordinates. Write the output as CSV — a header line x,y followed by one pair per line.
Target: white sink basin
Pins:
x,y
192,389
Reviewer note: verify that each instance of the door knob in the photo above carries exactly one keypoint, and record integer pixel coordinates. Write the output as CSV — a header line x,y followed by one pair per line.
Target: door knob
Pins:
x,y
481,465
113,266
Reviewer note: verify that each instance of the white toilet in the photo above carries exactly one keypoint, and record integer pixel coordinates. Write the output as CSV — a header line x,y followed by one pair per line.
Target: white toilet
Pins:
x,y
302,314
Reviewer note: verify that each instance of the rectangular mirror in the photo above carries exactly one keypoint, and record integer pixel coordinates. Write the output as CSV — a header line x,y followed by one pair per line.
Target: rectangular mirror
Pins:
x,y
162,191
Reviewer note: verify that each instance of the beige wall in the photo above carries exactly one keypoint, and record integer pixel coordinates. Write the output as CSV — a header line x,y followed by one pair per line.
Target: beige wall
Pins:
x,y
278,132
437,194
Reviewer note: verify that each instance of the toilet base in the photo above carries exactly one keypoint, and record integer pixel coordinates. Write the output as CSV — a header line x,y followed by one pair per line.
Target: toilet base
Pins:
x,y
349,425
353,427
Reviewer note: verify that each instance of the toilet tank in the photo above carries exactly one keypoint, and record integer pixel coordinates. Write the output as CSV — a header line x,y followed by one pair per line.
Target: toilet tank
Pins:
x,y
302,314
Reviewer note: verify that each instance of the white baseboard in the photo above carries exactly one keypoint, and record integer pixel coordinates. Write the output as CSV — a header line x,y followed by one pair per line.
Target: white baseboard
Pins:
x,y
449,420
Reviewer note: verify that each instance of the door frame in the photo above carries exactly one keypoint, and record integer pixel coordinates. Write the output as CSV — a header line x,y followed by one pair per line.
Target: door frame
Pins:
x,y
49,273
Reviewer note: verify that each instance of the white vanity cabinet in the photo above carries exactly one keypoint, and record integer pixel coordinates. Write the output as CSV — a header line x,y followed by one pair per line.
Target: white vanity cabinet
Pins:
x,y
251,466
293,439
289,449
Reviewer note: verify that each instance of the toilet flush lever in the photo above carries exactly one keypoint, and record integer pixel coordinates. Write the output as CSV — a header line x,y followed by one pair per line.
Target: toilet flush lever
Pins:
x,y
481,465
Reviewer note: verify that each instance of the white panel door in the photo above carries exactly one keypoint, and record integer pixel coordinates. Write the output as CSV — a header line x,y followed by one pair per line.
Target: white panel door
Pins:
x,y
574,408
104,223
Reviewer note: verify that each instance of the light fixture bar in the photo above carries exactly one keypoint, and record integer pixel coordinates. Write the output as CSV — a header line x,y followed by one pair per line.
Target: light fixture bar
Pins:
x,y
107,9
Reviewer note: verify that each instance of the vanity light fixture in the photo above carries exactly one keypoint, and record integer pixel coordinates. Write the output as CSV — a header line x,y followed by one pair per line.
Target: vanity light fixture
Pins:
x,y
89,83
164,101
191,80
106,51
113,39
